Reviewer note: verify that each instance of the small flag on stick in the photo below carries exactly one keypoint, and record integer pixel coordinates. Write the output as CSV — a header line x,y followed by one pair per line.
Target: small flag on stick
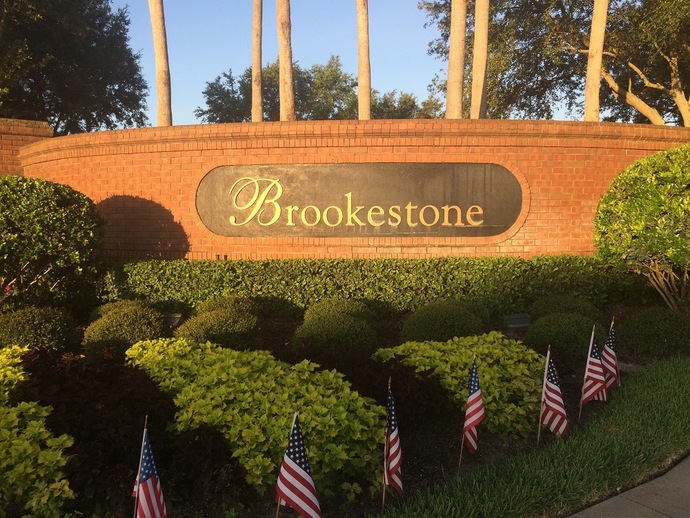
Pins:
x,y
594,385
474,413
295,487
147,490
392,453
609,359
552,414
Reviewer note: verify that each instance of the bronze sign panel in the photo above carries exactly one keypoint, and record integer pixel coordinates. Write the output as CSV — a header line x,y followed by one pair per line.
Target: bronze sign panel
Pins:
x,y
359,200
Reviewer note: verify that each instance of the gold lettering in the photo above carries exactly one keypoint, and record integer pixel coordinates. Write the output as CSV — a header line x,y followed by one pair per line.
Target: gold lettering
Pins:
x,y
422,219
352,215
317,213
471,212
394,213
375,211
446,215
409,208
257,199
325,216
291,209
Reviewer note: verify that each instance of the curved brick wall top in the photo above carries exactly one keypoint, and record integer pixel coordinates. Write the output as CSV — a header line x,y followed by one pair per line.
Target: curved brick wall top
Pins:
x,y
15,134
144,181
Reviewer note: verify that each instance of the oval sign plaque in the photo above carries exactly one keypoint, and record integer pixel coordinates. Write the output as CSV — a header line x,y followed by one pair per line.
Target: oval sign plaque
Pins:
x,y
357,200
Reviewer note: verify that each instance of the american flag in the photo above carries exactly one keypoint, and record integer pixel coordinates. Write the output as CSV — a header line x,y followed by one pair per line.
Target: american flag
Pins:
x,y
295,487
553,414
147,486
392,453
474,414
594,386
609,359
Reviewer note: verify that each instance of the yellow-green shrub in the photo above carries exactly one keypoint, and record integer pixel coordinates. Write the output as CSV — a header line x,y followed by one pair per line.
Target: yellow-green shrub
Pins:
x,y
251,397
510,376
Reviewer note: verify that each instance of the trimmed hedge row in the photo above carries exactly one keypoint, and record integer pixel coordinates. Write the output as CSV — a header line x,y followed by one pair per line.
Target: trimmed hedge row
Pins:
x,y
502,284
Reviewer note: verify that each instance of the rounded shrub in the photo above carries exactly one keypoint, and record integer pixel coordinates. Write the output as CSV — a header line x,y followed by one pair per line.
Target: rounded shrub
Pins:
x,y
50,237
231,328
234,303
654,331
39,329
339,333
339,306
568,334
563,304
440,321
118,305
120,327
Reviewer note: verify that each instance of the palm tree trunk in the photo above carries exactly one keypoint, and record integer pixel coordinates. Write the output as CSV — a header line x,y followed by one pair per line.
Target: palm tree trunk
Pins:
x,y
456,59
479,59
287,87
594,60
160,49
257,99
364,64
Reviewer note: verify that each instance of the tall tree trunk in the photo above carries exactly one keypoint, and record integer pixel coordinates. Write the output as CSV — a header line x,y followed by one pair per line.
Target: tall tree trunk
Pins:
x,y
456,59
594,59
257,26
363,63
160,49
287,87
479,59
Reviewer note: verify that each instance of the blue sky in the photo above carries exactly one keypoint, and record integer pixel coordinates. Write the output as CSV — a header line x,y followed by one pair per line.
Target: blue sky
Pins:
x,y
206,38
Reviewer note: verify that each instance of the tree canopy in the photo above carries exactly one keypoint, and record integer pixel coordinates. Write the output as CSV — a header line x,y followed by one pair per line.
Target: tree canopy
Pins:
x,y
322,92
537,57
68,62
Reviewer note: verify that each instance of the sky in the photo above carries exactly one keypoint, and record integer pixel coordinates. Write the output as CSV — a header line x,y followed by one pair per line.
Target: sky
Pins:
x,y
209,37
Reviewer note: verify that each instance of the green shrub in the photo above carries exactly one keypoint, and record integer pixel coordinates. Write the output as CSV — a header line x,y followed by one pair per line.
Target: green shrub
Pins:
x,y
568,334
119,328
232,328
341,333
40,329
250,397
50,235
32,460
338,306
510,376
234,303
440,321
564,304
654,331
118,305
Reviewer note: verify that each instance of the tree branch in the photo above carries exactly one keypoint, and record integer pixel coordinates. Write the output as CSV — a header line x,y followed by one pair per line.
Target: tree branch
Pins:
x,y
629,98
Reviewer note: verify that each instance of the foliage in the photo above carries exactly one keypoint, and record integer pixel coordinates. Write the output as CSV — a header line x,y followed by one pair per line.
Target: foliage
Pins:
x,y
39,329
118,305
509,375
654,331
537,57
249,397
50,234
501,284
323,92
235,303
568,334
563,304
602,458
642,223
112,334
33,458
338,332
338,306
230,327
440,321
68,62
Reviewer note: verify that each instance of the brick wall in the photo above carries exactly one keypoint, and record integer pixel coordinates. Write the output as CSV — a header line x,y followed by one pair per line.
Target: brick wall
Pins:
x,y
15,134
144,181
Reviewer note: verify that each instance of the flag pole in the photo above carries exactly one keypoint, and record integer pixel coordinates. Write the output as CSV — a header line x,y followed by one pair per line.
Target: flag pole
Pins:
x,y
294,419
141,455
462,445
589,352
543,389
385,453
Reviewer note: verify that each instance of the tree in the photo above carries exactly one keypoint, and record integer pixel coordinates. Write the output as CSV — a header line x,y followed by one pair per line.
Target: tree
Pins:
x,y
364,64
538,49
594,59
287,92
160,50
642,223
456,59
50,235
257,26
479,58
67,62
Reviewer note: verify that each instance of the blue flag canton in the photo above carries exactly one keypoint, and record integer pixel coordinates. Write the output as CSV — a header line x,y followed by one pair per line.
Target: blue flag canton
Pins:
x,y
596,354
551,375
392,419
473,384
611,340
148,466
296,450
